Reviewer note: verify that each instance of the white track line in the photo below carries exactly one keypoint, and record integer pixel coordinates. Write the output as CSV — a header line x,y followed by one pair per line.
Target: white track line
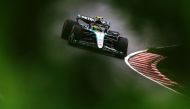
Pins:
x,y
135,53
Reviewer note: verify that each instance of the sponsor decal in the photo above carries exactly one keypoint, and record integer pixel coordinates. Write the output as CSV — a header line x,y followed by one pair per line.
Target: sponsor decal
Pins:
x,y
88,18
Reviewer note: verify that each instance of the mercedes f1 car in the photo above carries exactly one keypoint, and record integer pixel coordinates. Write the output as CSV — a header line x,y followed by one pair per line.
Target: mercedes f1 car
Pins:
x,y
94,33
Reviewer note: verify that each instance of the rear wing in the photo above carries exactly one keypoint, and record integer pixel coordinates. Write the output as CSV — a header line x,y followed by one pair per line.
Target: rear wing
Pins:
x,y
90,20
85,19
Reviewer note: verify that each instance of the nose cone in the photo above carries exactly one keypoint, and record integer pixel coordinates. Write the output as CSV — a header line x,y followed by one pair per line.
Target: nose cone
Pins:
x,y
100,39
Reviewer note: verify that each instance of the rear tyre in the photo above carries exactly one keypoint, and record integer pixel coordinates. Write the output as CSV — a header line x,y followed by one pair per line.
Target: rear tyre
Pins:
x,y
122,46
67,29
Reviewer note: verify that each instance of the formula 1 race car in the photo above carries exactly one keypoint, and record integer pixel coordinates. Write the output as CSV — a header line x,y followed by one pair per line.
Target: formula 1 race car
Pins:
x,y
94,33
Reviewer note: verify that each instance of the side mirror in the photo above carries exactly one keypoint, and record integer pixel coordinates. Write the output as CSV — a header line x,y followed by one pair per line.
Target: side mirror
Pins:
x,y
109,23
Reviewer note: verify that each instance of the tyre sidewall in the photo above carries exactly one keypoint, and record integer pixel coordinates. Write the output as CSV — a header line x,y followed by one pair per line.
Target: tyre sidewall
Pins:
x,y
67,28
122,46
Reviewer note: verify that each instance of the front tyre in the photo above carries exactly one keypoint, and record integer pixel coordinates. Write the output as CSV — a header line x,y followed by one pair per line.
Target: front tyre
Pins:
x,y
67,29
122,46
76,35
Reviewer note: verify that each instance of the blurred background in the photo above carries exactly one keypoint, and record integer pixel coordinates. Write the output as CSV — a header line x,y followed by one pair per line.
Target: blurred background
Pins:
x,y
38,70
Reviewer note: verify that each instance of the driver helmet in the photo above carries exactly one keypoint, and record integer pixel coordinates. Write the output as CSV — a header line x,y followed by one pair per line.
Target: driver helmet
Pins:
x,y
98,18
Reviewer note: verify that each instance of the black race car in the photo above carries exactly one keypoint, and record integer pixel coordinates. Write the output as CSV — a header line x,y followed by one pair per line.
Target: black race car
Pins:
x,y
94,33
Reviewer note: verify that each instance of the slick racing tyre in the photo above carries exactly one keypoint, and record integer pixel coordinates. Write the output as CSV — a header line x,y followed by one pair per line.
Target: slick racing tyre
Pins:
x,y
76,34
67,29
122,46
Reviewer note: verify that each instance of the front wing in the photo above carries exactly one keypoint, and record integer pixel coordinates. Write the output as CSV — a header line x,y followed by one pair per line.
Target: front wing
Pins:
x,y
93,45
